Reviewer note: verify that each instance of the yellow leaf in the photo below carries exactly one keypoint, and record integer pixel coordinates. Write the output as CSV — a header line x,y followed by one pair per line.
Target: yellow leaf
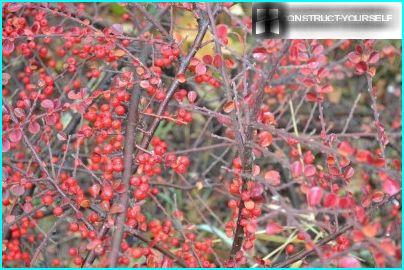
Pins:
x,y
119,53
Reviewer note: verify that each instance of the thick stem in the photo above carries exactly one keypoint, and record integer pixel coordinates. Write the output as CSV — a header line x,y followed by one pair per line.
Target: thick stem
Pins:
x,y
129,146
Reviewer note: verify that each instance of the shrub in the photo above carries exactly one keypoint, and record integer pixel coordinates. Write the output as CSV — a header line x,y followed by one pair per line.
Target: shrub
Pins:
x,y
162,135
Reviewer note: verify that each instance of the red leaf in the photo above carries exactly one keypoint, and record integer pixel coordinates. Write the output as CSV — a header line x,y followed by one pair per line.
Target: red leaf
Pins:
x,y
308,82
257,191
144,84
256,170
6,145
10,218
19,112
33,127
93,244
382,134
6,78
345,149
192,95
224,120
265,139
27,207
260,54
181,78
348,262
73,95
373,58
222,31
15,135
325,89
47,104
207,59
296,168
8,47
349,172
331,200
217,61
391,187
309,170
273,228
230,63
361,67
155,80
314,196
17,190
312,65
377,196
200,69
14,7
116,208
311,97
85,203
354,57
61,136
273,177
51,119
318,49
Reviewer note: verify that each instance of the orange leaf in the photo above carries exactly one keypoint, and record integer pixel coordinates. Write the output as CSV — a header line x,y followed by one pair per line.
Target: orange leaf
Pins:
x,y
229,107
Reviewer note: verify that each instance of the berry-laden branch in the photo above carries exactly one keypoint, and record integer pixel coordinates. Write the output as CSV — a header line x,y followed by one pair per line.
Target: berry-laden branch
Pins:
x,y
203,24
46,172
120,119
245,153
130,138
128,148
156,246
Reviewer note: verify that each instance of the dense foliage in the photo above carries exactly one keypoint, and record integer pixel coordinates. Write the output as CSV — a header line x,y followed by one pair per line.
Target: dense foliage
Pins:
x,y
162,135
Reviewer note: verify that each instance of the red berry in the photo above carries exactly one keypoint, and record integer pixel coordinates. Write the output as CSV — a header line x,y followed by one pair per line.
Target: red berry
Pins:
x,y
58,211
290,249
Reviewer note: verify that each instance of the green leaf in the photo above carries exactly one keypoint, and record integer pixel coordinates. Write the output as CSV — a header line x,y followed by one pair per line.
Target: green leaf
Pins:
x,y
275,238
296,264
117,9
218,232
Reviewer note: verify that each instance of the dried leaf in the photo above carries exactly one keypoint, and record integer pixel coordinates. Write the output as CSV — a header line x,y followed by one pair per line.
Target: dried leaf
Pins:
x,y
228,106
85,203
119,53
116,208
